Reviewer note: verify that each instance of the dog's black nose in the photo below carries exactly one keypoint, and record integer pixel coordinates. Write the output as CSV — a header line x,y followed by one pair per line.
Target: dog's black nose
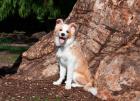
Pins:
x,y
62,34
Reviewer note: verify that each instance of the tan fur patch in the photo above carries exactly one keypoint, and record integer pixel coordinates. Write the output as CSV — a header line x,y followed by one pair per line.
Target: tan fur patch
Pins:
x,y
82,67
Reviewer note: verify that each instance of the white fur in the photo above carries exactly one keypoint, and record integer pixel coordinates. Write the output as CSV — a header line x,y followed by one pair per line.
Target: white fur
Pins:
x,y
65,27
93,90
76,85
68,62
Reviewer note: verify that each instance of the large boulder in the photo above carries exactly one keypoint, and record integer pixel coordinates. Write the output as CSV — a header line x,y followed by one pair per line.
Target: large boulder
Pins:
x,y
118,75
109,34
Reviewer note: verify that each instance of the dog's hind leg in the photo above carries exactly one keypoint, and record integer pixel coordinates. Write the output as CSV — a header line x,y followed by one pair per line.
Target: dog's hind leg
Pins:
x,y
75,82
78,80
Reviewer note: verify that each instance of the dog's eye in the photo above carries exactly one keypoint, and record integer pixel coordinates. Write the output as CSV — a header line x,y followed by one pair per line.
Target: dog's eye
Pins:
x,y
67,31
60,30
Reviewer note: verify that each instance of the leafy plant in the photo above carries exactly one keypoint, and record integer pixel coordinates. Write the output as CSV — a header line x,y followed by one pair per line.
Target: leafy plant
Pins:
x,y
12,49
24,8
6,40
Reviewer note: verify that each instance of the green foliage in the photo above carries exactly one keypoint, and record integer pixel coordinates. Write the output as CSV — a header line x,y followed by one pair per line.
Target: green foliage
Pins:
x,y
6,40
25,8
12,49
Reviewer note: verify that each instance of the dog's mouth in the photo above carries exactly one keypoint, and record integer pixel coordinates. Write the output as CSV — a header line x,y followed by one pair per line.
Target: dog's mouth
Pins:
x,y
62,40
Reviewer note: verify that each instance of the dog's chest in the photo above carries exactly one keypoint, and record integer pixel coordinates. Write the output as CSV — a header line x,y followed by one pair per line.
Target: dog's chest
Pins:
x,y
64,55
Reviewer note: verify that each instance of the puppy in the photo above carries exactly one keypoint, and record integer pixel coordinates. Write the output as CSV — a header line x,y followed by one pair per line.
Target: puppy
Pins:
x,y
72,62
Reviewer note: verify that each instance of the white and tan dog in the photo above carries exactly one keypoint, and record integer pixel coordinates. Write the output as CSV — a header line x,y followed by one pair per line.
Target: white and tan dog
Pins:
x,y
72,62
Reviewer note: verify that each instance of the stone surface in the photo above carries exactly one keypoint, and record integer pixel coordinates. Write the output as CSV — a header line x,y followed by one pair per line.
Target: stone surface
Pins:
x,y
109,33
119,74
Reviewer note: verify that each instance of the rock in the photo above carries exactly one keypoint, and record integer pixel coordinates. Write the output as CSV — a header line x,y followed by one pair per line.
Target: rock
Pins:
x,y
38,35
119,74
109,33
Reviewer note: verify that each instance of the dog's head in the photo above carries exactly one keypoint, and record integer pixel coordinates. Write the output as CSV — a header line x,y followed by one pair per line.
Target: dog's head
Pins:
x,y
64,33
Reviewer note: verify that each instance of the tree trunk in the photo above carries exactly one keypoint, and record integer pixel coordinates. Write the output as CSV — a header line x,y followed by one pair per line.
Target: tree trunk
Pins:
x,y
109,33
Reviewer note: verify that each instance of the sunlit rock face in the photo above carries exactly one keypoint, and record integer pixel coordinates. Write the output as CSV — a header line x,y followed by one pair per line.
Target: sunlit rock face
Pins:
x,y
109,34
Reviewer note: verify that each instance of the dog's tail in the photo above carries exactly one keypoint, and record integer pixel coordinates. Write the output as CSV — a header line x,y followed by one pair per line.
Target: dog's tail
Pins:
x,y
88,87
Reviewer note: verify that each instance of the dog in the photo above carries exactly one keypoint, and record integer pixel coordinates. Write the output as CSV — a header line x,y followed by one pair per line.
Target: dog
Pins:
x,y
72,62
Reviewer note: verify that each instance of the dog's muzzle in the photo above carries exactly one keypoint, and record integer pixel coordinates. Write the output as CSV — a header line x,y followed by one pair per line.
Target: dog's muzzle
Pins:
x,y
62,40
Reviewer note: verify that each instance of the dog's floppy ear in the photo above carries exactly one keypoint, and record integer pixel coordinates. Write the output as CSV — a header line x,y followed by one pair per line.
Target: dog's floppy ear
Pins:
x,y
73,27
59,21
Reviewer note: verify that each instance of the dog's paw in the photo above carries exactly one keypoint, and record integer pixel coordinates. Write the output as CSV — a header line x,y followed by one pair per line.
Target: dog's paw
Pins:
x,y
56,83
68,87
76,85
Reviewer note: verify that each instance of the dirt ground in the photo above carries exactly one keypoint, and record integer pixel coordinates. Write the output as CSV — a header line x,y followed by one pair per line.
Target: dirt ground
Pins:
x,y
12,89
40,90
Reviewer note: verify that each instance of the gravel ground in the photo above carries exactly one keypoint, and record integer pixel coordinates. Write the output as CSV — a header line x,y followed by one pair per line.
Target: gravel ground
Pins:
x,y
40,90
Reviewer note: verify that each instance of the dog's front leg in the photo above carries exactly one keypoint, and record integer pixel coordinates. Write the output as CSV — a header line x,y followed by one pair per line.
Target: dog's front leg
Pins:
x,y
68,81
62,75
